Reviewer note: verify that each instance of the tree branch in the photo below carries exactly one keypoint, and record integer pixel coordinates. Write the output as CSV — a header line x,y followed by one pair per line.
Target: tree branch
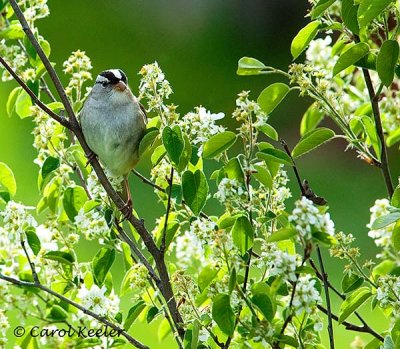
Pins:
x,y
115,197
103,320
374,98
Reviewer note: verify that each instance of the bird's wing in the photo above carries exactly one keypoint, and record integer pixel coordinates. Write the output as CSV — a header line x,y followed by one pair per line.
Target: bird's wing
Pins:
x,y
142,108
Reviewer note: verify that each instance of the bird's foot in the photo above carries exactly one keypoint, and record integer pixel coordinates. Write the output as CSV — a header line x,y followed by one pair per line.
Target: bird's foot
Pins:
x,y
127,208
90,157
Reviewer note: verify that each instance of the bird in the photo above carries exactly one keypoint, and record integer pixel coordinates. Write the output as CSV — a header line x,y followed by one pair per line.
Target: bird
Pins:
x,y
113,123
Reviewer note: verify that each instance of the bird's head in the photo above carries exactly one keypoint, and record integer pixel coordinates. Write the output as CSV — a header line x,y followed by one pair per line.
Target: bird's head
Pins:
x,y
113,83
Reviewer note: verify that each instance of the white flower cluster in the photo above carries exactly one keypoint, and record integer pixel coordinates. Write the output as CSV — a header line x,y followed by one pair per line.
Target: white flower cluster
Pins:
x,y
14,56
319,54
278,262
308,219
34,9
230,193
388,293
203,228
78,65
188,249
48,135
94,299
159,174
96,190
280,192
92,225
382,237
154,87
200,125
306,295
138,276
17,219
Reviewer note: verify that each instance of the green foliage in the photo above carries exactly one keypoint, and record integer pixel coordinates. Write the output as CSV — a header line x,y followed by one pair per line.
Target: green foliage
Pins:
x,y
349,57
303,38
8,185
243,234
223,314
312,140
250,66
353,302
218,144
272,96
102,263
173,142
195,190
73,200
370,9
386,61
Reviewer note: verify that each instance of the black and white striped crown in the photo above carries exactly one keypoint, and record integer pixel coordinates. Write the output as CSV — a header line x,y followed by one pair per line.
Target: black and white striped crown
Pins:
x,y
111,76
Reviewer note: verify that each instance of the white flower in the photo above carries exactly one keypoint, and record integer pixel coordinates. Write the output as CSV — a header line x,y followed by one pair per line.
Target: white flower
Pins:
x,y
200,125
188,248
16,218
306,295
203,228
96,301
92,224
308,219
230,192
382,237
278,262
46,237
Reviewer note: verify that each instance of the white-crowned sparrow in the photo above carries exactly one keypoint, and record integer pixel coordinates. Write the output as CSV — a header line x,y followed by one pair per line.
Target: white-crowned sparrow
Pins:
x,y
113,123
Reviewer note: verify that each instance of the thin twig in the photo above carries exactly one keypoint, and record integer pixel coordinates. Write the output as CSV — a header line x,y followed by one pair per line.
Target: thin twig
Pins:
x,y
164,234
31,264
327,298
374,98
351,327
103,320
36,100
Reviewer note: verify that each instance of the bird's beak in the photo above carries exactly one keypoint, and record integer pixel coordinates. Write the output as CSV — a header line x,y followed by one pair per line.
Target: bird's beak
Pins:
x,y
120,86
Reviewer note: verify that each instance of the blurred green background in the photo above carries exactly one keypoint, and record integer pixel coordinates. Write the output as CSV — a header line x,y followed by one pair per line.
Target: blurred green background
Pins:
x,y
197,44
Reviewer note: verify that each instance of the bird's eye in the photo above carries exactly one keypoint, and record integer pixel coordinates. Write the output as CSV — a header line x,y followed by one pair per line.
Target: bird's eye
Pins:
x,y
104,84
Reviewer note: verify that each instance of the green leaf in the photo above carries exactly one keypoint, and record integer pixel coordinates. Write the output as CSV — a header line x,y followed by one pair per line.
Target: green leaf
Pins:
x,y
269,131
261,298
218,144
349,15
370,9
393,138
395,200
195,334
395,332
311,118
395,238
60,256
387,60
303,38
275,155
233,170
148,139
12,32
133,313
152,313
351,282
350,56
320,7
352,303
250,66
312,140
263,176
195,190
12,100
7,180
102,263
23,105
223,314
384,221
173,143
56,313
388,343
206,275
243,234
73,201
33,241
282,234
49,165
272,95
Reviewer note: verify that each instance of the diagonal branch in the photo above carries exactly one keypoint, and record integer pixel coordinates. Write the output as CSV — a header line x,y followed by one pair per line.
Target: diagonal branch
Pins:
x,y
147,238
36,100
103,320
